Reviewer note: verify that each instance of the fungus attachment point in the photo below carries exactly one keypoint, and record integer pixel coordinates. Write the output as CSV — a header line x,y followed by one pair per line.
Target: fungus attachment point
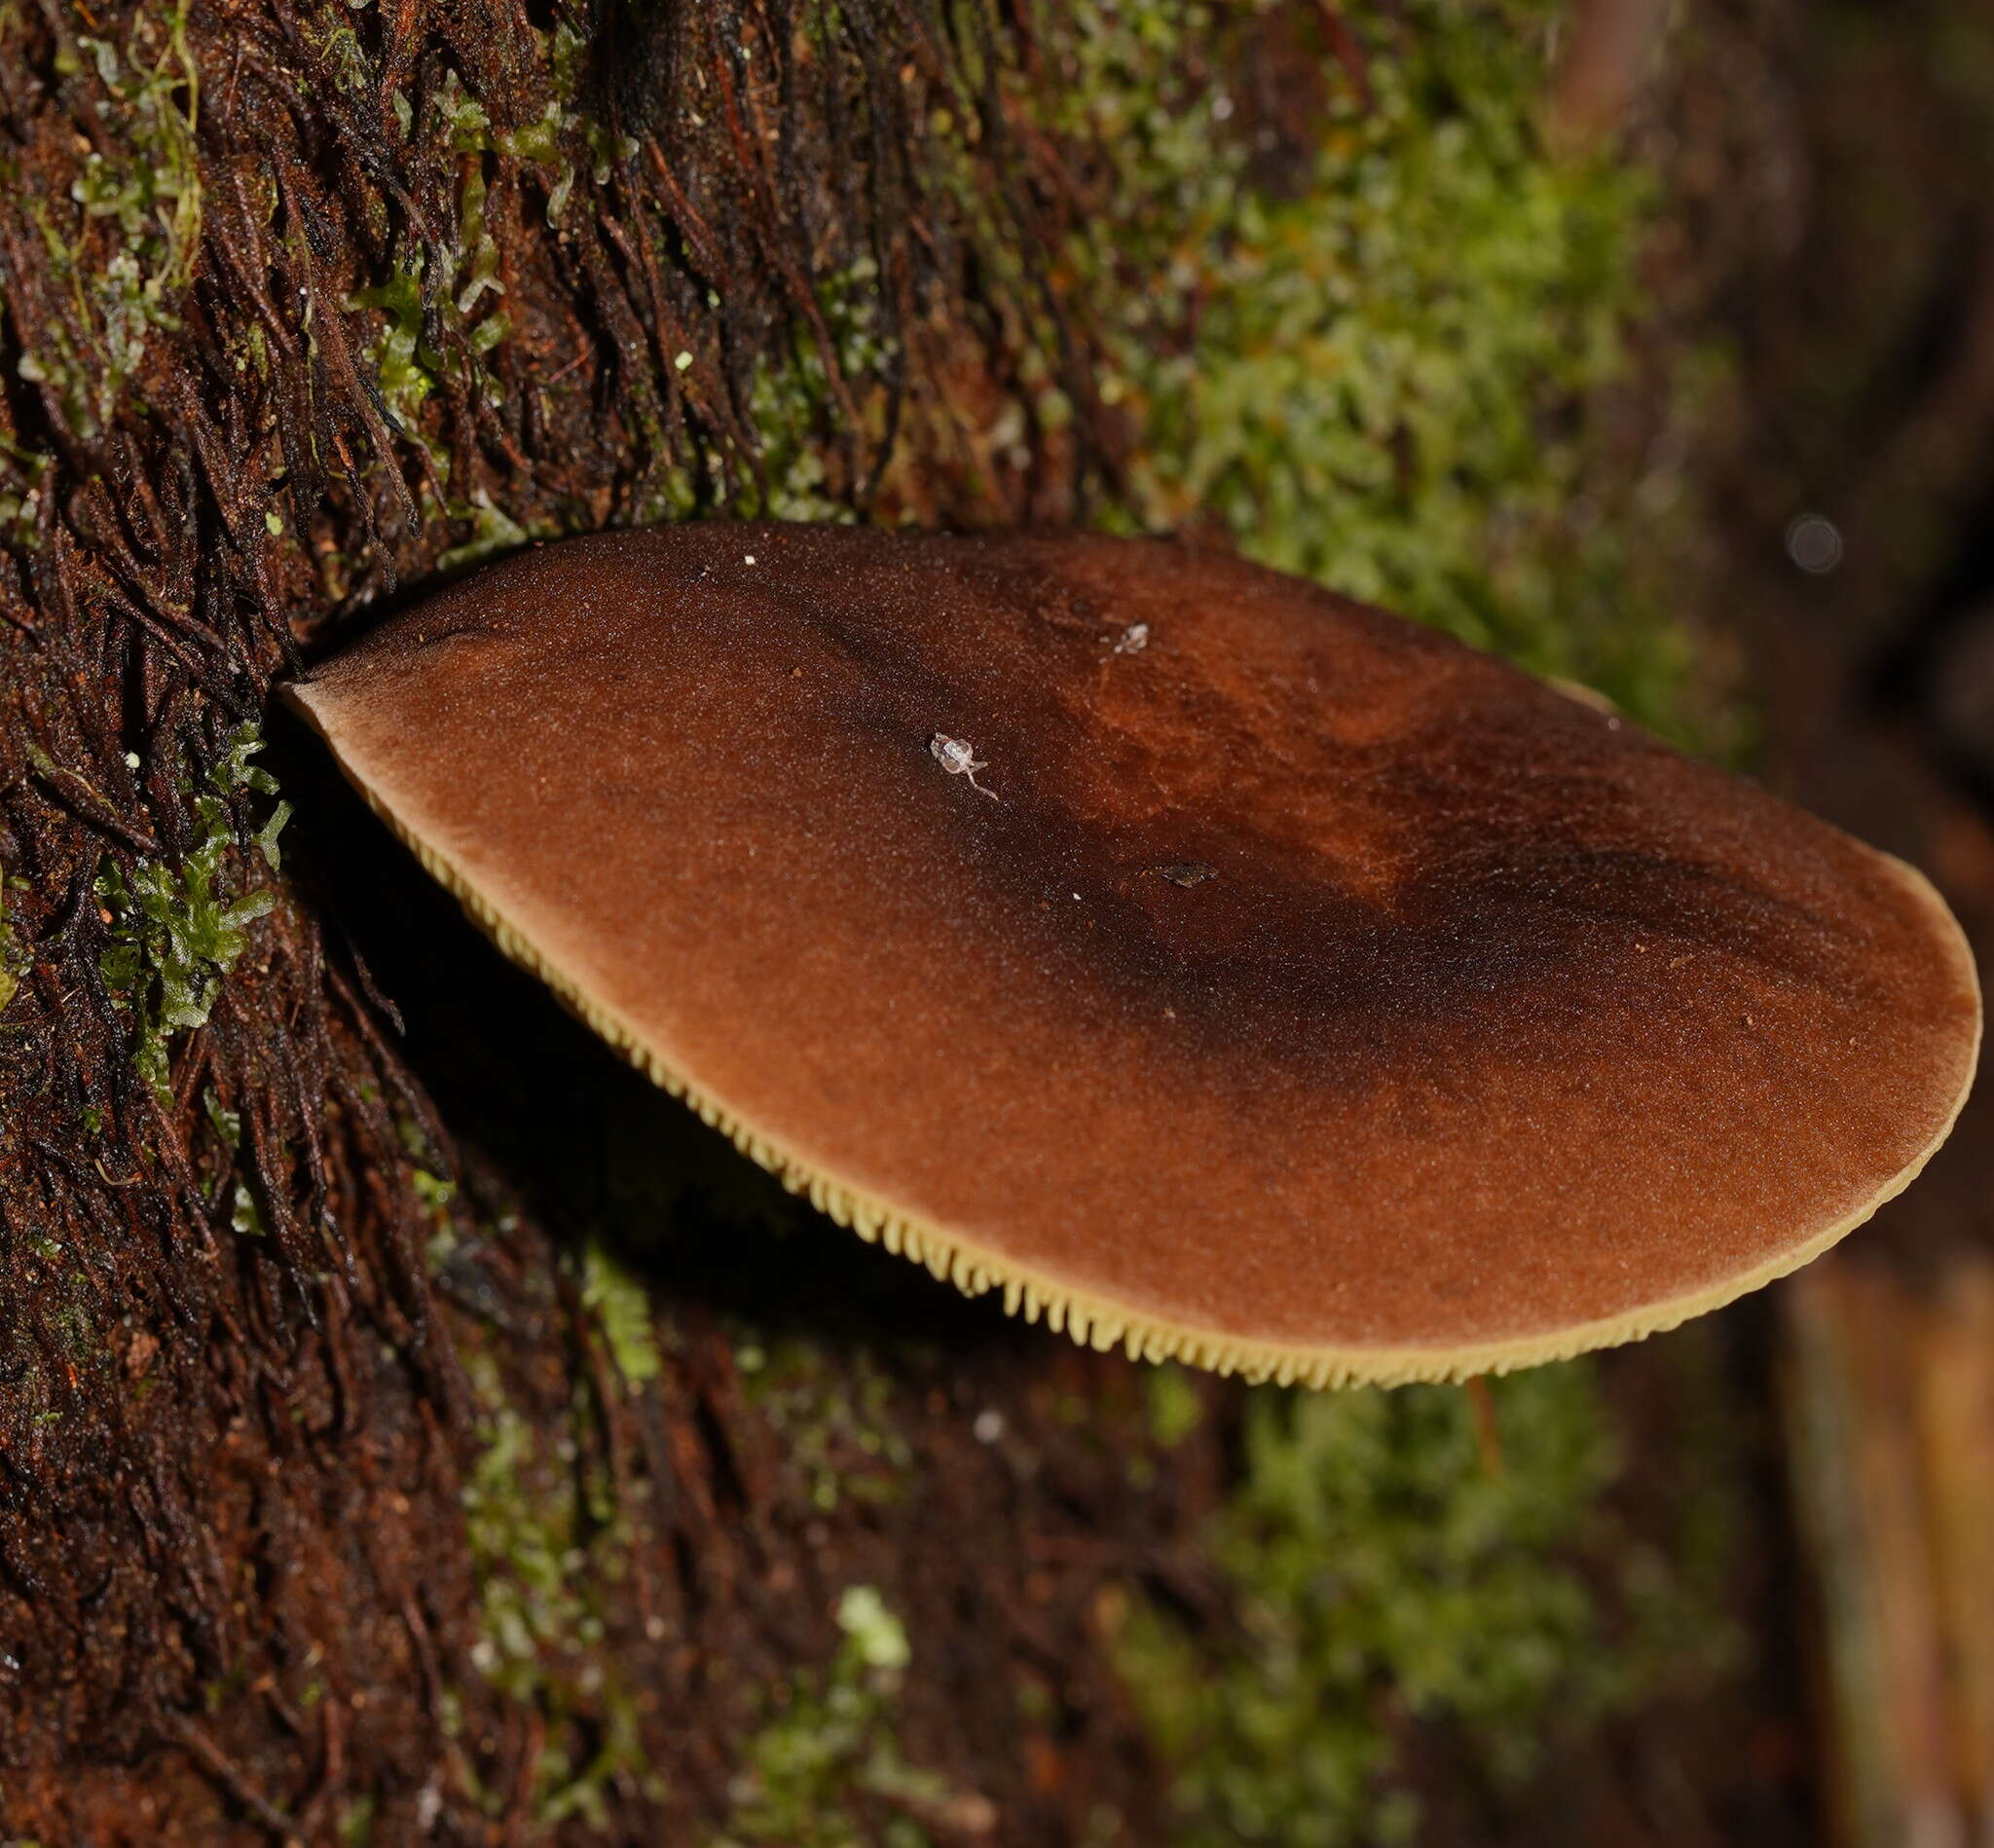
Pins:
x,y
1506,1033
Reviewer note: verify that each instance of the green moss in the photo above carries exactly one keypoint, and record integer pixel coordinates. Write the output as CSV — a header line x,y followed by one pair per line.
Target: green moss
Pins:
x,y
21,472
357,1822
525,1548
797,408
407,369
440,301
616,1299
174,931
245,1216
145,194
879,1637
824,1770
492,531
1383,1569
1381,377
833,1413
11,957
543,1540
1175,1407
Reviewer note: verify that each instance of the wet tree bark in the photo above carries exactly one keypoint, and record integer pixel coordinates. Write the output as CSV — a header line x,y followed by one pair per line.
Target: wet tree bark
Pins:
x,y
376,1471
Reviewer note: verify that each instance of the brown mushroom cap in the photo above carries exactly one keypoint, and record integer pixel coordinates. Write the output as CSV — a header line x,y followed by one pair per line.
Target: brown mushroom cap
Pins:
x,y
1317,997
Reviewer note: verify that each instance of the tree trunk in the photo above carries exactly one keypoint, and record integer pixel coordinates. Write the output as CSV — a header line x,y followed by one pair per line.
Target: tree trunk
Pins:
x,y
488,1455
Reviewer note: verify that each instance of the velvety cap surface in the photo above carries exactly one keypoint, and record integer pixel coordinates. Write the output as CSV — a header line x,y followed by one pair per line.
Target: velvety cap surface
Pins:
x,y
1286,986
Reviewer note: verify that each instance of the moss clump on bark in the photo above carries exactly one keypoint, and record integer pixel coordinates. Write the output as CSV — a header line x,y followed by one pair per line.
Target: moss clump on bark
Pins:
x,y
1364,324
832,1411
824,1770
174,937
547,1541
1393,1565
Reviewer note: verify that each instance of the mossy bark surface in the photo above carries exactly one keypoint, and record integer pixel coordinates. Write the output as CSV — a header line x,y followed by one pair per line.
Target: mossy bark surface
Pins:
x,y
409,1428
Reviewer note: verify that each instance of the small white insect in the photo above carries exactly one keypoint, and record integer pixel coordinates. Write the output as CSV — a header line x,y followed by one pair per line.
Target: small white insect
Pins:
x,y
958,756
1134,639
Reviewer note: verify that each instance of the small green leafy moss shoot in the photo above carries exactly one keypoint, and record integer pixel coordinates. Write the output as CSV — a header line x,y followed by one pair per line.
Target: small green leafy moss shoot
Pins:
x,y
830,1745
10,976
173,934
615,1297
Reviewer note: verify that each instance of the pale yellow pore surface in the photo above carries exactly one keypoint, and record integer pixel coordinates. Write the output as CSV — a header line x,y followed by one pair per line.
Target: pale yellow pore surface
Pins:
x,y
1095,1320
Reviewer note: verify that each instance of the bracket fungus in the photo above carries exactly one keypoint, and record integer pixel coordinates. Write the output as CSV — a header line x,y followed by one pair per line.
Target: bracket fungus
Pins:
x,y
1466,1026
